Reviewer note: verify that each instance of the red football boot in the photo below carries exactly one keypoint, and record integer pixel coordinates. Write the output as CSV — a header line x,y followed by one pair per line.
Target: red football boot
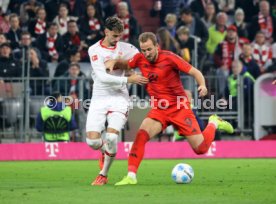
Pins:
x,y
100,180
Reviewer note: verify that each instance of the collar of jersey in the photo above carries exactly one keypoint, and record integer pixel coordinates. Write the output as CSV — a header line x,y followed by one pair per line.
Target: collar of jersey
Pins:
x,y
109,48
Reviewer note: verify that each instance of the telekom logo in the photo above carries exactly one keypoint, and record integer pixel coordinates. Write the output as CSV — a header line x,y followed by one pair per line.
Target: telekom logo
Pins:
x,y
51,148
127,146
212,150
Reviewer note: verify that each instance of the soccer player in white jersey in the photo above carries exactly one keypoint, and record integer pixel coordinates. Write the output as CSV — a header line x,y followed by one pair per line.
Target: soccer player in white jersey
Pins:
x,y
110,98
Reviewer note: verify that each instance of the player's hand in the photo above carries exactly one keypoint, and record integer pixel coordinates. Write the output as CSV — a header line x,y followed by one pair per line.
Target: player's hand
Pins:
x,y
202,90
274,82
137,79
109,65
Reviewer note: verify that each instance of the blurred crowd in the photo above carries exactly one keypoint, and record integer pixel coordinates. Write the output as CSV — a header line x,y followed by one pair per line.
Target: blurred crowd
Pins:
x,y
55,31
227,37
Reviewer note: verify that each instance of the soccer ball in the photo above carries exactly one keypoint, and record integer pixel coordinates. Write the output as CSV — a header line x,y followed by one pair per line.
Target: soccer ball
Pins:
x,y
182,173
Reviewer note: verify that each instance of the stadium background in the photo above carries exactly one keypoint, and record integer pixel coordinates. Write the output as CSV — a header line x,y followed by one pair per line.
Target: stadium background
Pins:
x,y
22,93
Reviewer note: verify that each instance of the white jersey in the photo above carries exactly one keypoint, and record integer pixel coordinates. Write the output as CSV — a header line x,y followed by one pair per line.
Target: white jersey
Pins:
x,y
108,85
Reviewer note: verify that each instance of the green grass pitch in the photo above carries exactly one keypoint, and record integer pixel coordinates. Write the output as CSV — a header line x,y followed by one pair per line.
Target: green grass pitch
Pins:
x,y
220,181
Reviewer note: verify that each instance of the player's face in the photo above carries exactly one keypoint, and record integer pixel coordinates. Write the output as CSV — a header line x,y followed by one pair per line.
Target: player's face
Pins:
x,y
149,50
112,37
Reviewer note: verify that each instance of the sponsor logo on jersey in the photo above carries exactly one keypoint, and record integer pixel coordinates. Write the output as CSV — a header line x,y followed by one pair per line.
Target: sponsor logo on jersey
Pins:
x,y
94,58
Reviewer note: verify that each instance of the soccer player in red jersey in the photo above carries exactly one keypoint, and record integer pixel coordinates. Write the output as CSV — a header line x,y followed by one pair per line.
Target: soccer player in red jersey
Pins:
x,y
170,103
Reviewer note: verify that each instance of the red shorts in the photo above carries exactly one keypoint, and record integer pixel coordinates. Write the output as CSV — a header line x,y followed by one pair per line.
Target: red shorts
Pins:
x,y
182,119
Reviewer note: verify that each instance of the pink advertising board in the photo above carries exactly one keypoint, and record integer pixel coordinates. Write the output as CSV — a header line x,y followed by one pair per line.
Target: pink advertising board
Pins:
x,y
154,150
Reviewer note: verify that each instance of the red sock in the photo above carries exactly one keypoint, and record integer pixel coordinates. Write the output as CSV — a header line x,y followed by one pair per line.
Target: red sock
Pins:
x,y
137,151
209,136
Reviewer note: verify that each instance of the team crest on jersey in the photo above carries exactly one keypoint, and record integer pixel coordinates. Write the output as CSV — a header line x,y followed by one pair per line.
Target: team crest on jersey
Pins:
x,y
152,77
94,58
188,122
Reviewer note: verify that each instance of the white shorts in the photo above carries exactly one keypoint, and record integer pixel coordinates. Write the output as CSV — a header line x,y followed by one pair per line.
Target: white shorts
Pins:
x,y
100,111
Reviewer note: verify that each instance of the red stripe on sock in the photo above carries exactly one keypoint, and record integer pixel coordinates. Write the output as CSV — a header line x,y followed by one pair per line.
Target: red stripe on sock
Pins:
x,y
109,154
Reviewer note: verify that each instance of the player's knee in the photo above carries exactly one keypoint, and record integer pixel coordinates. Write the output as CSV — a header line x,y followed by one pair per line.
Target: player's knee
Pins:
x,y
200,150
111,143
95,143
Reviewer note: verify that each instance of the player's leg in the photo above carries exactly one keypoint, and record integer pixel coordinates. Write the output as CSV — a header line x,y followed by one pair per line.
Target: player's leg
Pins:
x,y
148,129
94,125
201,141
110,150
116,121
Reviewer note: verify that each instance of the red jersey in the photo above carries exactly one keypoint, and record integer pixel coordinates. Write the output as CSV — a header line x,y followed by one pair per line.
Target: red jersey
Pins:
x,y
163,75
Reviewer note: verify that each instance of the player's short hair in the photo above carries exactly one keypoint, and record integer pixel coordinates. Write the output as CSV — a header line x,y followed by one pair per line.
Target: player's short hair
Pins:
x,y
144,37
114,24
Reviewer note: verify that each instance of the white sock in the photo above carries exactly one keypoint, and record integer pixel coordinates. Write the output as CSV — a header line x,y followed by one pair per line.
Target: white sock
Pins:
x,y
107,163
110,149
131,175
214,123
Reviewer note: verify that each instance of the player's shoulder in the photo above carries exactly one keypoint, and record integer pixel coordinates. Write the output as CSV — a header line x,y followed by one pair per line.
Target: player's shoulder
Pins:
x,y
126,45
166,54
137,58
94,48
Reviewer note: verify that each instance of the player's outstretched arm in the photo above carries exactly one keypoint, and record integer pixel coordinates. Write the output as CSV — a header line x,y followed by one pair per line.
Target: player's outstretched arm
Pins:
x,y
200,80
121,64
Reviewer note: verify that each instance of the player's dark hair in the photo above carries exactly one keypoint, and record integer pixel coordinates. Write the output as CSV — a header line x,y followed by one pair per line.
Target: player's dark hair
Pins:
x,y
144,37
114,24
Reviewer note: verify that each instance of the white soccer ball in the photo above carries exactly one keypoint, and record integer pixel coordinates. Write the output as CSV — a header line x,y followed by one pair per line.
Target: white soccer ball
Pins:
x,y
182,173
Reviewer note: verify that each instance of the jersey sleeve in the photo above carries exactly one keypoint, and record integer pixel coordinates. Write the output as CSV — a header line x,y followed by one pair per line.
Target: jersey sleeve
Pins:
x,y
97,63
129,51
180,63
133,62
